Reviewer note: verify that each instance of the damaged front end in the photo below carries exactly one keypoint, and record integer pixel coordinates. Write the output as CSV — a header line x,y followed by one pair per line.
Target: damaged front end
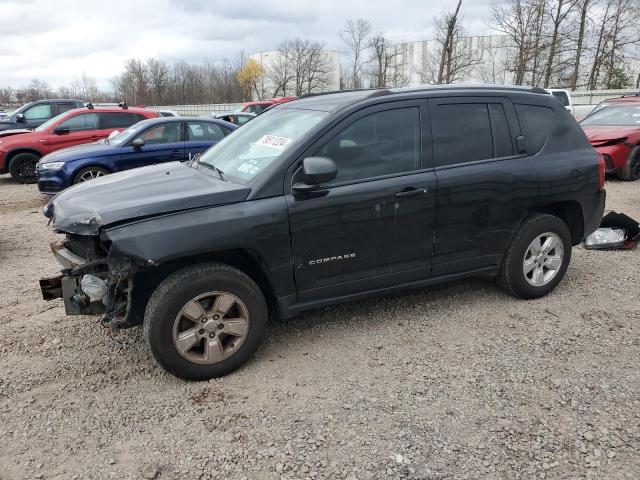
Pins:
x,y
92,283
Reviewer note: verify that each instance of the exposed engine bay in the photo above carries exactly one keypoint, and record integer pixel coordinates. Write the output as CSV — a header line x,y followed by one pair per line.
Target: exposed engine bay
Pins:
x,y
91,282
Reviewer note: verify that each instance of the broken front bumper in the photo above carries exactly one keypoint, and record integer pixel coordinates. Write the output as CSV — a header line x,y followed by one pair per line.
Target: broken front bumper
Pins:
x,y
102,286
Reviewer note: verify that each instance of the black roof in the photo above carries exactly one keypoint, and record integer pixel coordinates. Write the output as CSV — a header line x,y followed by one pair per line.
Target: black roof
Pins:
x,y
332,101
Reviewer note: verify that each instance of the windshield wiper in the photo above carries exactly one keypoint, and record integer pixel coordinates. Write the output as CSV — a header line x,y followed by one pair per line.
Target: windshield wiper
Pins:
x,y
212,167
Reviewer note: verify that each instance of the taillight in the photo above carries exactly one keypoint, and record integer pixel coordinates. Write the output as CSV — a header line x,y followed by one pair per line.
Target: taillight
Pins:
x,y
601,170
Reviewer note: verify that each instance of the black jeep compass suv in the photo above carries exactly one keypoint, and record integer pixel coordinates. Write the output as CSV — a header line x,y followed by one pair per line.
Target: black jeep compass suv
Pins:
x,y
326,199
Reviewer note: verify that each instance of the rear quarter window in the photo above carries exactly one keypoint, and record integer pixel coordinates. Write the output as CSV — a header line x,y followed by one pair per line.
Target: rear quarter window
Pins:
x,y
535,122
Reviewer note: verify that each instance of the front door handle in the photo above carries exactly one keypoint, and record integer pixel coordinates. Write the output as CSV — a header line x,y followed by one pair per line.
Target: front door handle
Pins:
x,y
411,192
175,153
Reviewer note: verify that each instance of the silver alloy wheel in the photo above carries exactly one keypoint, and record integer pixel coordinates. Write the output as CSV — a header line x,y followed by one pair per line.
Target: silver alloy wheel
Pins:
x,y
211,327
543,259
91,174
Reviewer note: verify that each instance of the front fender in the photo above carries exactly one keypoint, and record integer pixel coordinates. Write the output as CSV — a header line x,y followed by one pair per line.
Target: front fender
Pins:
x,y
260,226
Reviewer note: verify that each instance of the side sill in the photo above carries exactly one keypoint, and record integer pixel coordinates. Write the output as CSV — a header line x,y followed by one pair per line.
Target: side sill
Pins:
x,y
287,309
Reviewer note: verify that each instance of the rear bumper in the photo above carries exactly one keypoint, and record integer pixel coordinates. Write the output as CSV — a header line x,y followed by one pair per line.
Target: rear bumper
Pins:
x,y
592,210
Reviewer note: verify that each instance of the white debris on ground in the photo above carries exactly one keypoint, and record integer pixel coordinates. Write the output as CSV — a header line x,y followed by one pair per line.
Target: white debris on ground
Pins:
x,y
458,381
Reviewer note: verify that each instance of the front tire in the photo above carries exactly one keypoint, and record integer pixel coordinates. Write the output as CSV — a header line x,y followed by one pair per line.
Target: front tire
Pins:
x,y
89,173
631,169
205,321
538,257
22,167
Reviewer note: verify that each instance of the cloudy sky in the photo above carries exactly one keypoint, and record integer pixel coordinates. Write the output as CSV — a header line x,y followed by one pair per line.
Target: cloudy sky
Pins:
x,y
55,40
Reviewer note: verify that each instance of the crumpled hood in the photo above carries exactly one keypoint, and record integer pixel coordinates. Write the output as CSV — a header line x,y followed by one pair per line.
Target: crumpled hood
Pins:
x,y
14,131
599,133
142,192
80,151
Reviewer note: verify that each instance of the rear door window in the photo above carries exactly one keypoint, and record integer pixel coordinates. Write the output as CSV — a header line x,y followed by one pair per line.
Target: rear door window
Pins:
x,y
462,133
119,119
65,106
470,131
535,122
203,131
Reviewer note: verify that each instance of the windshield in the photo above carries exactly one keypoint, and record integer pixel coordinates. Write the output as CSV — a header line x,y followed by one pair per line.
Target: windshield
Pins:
x,y
617,115
122,137
249,150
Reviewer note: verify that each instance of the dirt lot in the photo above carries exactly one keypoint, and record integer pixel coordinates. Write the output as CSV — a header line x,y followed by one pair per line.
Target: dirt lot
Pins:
x,y
457,381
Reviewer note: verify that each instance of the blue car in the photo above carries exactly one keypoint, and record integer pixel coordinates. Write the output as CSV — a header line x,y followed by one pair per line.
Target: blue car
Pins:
x,y
147,142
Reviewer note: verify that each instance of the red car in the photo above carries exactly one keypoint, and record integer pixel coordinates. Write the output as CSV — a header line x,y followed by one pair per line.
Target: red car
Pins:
x,y
615,132
20,150
257,107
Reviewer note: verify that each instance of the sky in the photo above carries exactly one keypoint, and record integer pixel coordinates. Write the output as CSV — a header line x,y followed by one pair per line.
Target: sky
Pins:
x,y
57,40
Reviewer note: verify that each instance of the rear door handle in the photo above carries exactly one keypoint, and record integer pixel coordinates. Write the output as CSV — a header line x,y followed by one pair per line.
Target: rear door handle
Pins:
x,y
175,153
411,192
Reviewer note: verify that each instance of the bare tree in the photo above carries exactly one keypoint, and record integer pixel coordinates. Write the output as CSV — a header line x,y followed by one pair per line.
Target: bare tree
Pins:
x,y
453,58
388,68
584,7
301,66
558,15
356,35
518,19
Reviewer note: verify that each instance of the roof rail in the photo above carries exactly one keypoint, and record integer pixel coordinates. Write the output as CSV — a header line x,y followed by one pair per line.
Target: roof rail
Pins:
x,y
631,95
376,92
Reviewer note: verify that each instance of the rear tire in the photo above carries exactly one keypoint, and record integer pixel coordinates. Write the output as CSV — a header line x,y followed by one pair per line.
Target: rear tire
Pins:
x,y
22,167
89,173
528,270
631,169
187,331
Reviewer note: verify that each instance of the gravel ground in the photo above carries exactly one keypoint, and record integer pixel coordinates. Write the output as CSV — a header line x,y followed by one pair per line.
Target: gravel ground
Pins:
x,y
456,381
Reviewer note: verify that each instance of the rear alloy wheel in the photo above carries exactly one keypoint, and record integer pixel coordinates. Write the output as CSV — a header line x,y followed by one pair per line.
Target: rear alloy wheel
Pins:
x,y
631,170
537,258
89,173
22,167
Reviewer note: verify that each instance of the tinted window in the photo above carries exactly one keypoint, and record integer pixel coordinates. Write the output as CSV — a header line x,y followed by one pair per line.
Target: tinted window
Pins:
x,y
65,106
535,122
462,133
502,143
382,143
38,112
163,133
82,121
119,119
202,131
256,108
562,98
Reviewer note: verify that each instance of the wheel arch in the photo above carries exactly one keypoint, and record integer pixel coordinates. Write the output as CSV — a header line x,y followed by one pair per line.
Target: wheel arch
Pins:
x,y
20,150
245,260
570,212
93,163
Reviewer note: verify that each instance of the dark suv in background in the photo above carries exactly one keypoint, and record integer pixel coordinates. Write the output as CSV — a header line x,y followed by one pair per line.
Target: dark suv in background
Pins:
x,y
34,114
326,199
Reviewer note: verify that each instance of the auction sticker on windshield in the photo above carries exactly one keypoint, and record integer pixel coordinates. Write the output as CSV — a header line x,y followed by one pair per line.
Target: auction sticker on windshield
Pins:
x,y
274,141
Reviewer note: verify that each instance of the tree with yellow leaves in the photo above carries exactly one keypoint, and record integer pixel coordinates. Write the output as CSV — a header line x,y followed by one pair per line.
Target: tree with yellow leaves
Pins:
x,y
251,79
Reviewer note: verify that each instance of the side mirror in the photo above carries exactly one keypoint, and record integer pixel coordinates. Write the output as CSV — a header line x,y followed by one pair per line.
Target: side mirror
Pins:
x,y
138,143
61,130
316,171
20,118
